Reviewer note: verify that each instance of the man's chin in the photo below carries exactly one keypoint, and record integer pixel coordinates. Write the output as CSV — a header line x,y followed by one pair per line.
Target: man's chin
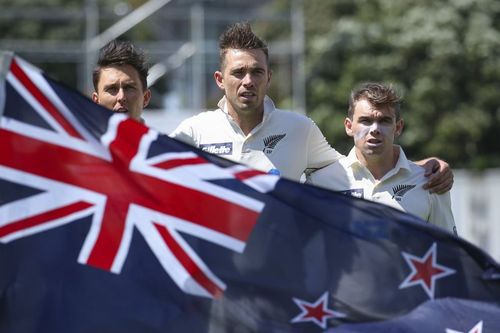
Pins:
x,y
248,107
373,152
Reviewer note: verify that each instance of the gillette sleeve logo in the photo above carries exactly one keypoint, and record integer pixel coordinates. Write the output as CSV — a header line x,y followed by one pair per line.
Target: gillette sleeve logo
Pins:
x,y
223,148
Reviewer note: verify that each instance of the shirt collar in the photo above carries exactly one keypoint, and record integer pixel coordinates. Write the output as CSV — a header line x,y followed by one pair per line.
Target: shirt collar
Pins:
x,y
402,162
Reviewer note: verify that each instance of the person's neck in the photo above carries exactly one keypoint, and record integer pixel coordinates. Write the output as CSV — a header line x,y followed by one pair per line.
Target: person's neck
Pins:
x,y
379,165
247,120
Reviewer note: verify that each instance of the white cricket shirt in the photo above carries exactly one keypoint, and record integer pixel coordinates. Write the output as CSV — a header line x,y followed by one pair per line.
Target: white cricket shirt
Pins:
x,y
401,188
286,141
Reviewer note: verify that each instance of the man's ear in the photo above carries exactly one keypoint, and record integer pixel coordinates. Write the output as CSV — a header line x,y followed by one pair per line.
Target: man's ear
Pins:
x,y
269,78
147,98
219,79
399,127
95,97
348,126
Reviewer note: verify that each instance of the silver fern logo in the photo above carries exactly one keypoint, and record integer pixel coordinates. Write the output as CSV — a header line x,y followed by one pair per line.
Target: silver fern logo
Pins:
x,y
400,190
271,141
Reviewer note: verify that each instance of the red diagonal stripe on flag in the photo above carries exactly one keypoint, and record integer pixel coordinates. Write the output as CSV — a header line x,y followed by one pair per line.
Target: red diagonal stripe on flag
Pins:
x,y
194,270
43,218
44,101
243,175
180,162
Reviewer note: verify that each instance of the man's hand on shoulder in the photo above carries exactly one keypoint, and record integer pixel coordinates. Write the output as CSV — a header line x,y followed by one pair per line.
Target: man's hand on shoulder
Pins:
x,y
440,176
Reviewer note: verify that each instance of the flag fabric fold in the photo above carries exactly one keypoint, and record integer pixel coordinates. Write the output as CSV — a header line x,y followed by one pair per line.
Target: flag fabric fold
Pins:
x,y
109,226
447,315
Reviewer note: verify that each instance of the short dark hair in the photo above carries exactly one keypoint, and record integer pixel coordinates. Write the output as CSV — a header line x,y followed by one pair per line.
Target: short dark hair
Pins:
x,y
378,94
240,36
119,53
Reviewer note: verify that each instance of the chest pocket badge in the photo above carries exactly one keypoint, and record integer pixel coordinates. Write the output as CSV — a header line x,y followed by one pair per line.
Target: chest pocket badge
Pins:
x,y
271,141
400,190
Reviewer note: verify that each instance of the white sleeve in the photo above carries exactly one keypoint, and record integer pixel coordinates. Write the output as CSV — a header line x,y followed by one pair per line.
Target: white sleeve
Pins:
x,y
319,151
185,133
319,176
441,214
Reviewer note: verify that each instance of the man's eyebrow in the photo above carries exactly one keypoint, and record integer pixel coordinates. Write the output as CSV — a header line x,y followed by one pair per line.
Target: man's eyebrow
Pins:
x,y
239,68
111,84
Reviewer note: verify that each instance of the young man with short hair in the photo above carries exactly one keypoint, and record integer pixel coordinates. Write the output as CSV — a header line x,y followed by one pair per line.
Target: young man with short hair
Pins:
x,y
247,127
120,79
376,169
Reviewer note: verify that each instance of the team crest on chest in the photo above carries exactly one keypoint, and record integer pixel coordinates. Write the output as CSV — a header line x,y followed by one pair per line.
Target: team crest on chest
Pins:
x,y
400,190
271,141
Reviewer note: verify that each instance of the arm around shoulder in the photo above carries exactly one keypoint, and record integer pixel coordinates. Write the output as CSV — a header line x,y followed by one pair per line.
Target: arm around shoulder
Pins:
x,y
438,173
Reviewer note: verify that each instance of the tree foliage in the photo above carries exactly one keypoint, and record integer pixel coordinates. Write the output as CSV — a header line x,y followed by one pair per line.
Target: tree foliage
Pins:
x,y
444,56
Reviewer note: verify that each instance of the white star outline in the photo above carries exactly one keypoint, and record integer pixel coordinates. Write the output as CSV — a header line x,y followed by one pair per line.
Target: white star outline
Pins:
x,y
478,328
409,258
304,315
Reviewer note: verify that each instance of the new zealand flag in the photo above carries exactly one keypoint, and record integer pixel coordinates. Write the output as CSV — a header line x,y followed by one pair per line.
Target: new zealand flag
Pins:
x,y
108,226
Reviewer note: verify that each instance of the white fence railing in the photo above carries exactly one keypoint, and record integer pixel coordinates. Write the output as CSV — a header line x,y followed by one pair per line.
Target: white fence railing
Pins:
x,y
476,207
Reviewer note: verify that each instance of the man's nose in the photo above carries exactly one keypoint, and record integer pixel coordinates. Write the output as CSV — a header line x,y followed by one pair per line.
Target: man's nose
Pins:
x,y
120,96
374,128
248,80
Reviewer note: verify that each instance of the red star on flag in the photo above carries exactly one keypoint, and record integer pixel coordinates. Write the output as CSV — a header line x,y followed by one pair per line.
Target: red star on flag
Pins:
x,y
478,328
425,271
316,312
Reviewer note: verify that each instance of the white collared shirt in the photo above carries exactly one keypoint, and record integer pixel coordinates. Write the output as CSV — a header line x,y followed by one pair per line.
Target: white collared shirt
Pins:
x,y
401,188
284,140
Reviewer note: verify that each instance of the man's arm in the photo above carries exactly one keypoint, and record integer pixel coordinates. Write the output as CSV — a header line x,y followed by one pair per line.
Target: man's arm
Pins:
x,y
319,151
439,174
184,132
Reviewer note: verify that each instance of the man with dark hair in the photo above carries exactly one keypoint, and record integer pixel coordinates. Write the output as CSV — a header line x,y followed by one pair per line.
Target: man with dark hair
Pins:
x,y
240,37
120,79
247,127
376,169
